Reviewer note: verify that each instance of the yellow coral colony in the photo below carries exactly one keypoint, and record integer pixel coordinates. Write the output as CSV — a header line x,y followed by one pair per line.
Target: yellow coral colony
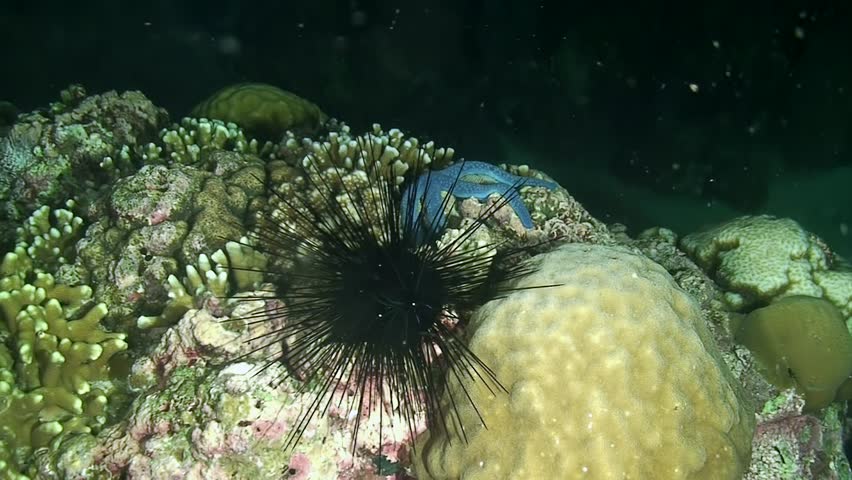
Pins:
x,y
611,375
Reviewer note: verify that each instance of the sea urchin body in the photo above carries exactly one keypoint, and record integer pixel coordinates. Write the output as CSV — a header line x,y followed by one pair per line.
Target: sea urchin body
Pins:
x,y
372,313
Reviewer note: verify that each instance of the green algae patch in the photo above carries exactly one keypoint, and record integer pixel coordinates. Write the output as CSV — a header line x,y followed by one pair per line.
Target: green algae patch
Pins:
x,y
801,342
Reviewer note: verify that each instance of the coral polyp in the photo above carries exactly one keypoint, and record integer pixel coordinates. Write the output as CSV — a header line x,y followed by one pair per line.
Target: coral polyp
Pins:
x,y
373,305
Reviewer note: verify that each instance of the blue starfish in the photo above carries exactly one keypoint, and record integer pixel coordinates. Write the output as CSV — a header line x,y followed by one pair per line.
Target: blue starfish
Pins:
x,y
472,180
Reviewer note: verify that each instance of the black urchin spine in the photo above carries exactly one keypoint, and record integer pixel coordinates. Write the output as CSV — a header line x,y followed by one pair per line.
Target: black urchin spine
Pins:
x,y
370,310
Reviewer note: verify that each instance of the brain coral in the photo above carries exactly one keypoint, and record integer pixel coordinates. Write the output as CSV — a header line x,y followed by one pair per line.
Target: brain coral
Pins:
x,y
611,374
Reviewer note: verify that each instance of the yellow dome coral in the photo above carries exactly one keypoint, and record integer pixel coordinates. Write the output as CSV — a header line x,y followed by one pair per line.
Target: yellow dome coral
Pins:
x,y
611,375
262,110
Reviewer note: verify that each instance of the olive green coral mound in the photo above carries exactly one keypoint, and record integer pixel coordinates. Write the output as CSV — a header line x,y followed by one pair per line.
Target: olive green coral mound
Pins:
x,y
54,355
803,342
261,109
611,374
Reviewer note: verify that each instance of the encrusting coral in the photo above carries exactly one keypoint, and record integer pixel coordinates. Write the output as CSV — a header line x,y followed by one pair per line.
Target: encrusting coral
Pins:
x,y
611,373
158,221
54,355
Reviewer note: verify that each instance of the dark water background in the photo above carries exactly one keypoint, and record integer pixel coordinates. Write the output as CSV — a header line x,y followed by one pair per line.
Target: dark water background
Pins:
x,y
663,113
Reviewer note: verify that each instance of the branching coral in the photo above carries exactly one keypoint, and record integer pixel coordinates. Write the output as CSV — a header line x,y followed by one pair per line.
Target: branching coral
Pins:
x,y
209,280
185,143
54,355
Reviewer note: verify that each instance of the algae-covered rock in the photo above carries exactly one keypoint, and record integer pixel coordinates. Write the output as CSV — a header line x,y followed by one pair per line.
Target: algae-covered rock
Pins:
x,y
790,444
200,417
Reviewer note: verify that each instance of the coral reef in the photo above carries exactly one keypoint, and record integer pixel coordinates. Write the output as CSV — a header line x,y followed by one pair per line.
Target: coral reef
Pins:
x,y
636,385
162,208
55,358
758,259
263,110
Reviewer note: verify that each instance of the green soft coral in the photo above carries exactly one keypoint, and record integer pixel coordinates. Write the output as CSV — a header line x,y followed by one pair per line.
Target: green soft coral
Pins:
x,y
54,354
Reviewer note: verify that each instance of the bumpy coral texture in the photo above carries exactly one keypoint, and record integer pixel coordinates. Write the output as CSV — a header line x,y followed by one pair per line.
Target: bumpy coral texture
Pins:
x,y
611,374
758,259
157,221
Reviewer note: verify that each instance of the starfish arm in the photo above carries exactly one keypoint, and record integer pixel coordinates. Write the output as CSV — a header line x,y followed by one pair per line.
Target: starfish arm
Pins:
x,y
465,180
494,174
521,211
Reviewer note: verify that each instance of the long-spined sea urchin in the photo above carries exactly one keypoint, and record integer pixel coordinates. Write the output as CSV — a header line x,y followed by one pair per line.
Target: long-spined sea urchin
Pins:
x,y
371,311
